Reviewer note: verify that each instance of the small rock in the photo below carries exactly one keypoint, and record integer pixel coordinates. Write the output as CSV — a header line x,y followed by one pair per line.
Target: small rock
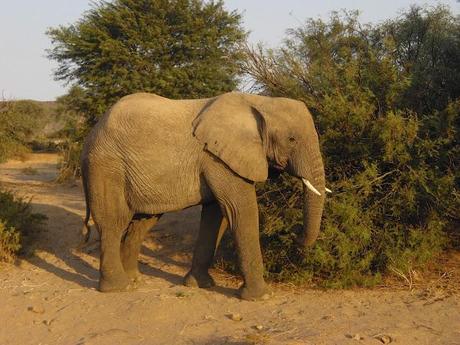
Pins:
x,y
209,317
47,322
259,327
38,309
357,336
235,317
384,339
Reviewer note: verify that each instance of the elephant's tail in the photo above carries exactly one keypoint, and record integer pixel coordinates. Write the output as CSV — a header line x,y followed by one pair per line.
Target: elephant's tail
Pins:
x,y
86,230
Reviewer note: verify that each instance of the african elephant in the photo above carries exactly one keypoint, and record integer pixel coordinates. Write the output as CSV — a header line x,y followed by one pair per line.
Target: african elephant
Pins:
x,y
149,155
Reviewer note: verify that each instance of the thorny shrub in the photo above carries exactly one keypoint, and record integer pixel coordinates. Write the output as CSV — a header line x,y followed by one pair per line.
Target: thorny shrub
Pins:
x,y
18,224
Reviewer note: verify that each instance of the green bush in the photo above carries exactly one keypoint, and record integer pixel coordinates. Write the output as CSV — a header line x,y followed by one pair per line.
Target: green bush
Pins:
x,y
9,242
19,120
18,224
385,99
11,148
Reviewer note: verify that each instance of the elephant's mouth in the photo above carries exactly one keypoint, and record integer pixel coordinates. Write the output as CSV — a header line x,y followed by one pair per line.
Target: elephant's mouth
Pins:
x,y
278,167
278,164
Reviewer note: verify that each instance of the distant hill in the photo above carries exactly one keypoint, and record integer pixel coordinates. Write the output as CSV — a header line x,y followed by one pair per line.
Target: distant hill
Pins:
x,y
45,104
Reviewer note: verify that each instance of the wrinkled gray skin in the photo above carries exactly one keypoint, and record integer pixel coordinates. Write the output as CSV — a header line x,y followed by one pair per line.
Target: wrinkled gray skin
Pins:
x,y
150,155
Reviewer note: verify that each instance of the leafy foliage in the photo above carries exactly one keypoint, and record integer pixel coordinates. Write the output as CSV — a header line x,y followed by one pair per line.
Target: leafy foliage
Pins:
x,y
385,99
26,125
18,122
17,223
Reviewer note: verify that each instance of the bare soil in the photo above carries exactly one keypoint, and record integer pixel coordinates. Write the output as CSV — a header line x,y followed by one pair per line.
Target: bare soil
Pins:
x,y
50,295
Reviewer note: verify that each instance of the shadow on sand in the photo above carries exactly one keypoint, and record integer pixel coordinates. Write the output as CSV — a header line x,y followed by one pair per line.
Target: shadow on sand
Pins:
x,y
175,235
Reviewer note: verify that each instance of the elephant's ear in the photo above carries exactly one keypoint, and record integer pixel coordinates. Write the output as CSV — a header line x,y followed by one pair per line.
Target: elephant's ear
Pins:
x,y
231,129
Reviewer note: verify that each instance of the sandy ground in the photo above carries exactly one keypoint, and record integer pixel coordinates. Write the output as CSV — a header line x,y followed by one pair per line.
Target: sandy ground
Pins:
x,y
50,296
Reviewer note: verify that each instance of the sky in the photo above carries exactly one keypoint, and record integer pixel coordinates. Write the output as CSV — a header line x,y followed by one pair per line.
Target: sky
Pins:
x,y
26,73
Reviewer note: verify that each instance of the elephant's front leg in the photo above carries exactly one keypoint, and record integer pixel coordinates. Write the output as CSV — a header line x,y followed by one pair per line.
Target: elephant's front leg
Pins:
x,y
237,198
212,226
243,216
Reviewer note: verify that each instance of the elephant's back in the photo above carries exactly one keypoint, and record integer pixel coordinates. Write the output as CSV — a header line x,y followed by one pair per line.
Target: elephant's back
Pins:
x,y
146,124
149,113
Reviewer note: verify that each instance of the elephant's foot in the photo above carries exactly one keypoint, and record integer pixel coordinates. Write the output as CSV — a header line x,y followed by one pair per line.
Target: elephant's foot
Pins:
x,y
202,280
259,292
116,284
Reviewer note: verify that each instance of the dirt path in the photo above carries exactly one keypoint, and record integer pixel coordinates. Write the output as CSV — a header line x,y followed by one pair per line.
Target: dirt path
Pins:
x,y
50,297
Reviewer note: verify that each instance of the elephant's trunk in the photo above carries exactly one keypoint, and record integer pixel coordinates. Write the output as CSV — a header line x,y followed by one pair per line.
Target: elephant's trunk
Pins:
x,y
313,204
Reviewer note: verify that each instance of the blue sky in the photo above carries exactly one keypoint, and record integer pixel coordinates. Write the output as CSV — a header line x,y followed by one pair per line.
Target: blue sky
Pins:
x,y
26,73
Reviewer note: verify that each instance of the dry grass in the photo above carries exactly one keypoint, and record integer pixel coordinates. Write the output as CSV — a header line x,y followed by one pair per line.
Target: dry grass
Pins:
x,y
440,278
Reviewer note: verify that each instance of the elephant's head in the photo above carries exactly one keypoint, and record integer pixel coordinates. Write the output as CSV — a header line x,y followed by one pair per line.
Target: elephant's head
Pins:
x,y
251,133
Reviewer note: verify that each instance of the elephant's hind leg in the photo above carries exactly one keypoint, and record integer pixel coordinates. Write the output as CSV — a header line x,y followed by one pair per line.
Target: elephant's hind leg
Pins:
x,y
111,215
212,226
113,277
131,244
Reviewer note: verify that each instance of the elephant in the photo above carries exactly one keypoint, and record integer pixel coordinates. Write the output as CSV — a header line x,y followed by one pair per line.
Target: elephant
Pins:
x,y
149,155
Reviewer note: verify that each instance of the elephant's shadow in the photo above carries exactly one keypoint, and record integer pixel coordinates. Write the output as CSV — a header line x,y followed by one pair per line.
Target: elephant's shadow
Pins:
x,y
166,252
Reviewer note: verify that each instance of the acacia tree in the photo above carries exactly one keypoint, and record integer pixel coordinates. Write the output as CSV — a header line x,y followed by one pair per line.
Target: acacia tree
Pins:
x,y
175,48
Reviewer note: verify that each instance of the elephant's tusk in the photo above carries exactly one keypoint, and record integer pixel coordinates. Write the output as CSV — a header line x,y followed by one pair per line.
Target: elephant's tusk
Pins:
x,y
328,190
310,186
